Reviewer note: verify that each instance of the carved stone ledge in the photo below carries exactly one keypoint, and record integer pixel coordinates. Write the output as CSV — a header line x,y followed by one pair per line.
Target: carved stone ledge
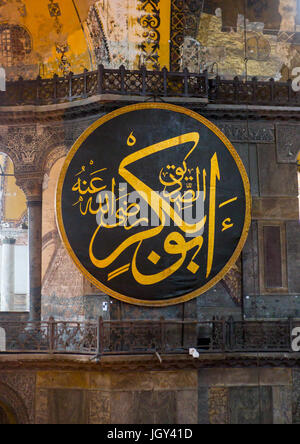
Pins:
x,y
120,363
241,132
97,105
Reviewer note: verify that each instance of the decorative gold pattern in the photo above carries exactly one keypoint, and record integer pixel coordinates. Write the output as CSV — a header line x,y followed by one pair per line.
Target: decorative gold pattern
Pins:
x,y
150,22
185,17
218,405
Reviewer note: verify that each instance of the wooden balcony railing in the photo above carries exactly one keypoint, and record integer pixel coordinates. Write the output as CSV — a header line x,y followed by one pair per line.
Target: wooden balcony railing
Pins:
x,y
145,83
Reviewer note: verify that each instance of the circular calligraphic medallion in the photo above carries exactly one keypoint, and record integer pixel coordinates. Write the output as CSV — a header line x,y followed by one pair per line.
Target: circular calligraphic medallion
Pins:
x,y
153,204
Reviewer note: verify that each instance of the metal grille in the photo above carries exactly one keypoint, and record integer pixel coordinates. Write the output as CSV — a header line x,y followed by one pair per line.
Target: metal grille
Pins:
x,y
144,337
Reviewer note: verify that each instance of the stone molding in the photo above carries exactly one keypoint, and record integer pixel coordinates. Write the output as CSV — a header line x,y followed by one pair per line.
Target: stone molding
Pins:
x,y
148,362
12,397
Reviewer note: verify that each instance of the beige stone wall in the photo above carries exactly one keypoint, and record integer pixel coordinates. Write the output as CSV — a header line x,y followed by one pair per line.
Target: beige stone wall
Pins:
x,y
62,283
117,398
49,220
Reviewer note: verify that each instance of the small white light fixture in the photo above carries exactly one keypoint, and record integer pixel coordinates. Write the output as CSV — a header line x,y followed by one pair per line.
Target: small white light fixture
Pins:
x,y
193,352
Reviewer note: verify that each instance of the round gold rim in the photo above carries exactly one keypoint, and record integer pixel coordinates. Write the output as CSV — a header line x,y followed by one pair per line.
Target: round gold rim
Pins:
x,y
242,171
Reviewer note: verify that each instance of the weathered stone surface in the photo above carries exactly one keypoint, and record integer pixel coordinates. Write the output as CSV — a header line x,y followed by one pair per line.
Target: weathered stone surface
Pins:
x,y
215,297
207,313
94,307
185,379
62,380
251,405
288,141
63,299
272,306
122,407
282,405
41,414
253,170
99,407
100,381
246,377
275,179
250,262
293,255
18,389
203,415
296,396
241,132
248,154
187,407
132,381
143,407
217,302
218,405
123,311
67,406
275,208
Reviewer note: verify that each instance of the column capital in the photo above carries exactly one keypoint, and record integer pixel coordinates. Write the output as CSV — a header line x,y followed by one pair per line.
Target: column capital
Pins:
x,y
32,185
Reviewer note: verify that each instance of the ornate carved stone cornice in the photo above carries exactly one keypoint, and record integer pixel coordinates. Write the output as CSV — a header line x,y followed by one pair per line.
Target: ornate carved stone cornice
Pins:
x,y
148,362
99,105
35,148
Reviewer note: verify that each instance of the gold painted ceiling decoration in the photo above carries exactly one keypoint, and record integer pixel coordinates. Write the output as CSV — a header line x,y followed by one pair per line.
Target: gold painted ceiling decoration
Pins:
x,y
50,37
47,37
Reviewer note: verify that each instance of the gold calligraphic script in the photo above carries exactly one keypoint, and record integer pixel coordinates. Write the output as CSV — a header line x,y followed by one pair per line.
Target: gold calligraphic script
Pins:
x,y
153,204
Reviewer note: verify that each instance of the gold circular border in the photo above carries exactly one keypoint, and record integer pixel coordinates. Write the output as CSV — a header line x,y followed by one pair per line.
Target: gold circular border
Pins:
x,y
231,149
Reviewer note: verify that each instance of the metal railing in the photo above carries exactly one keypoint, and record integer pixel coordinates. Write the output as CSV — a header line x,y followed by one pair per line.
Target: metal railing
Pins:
x,y
144,337
148,84
104,81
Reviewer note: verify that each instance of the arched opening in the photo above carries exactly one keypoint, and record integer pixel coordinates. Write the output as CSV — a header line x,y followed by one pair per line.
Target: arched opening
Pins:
x,y
14,279
15,44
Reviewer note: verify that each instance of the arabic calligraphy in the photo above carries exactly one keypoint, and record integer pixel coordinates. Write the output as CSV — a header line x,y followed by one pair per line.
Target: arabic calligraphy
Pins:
x,y
181,189
159,210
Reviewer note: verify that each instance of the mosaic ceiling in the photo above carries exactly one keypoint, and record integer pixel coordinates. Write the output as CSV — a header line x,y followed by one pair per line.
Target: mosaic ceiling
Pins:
x,y
50,37
230,37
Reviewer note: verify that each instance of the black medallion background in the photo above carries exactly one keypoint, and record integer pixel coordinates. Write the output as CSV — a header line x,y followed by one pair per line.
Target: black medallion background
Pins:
x,y
105,148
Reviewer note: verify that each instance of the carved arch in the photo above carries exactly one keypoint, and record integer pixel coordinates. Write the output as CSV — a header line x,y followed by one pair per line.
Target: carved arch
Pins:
x,y
53,155
5,150
13,403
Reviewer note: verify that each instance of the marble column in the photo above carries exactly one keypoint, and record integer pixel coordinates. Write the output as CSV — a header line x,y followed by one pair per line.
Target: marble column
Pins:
x,y
8,274
35,258
32,187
